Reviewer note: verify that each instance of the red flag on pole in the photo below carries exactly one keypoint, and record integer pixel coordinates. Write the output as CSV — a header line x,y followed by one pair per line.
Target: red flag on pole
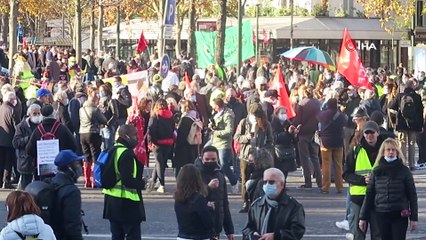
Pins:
x,y
279,85
187,80
142,44
349,64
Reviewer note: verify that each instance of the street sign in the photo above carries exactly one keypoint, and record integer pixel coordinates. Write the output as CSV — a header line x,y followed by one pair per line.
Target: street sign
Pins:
x,y
169,18
165,66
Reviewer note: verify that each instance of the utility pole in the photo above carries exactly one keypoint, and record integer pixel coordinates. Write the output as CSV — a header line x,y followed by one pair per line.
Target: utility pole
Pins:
x,y
257,35
13,38
240,36
117,40
291,22
78,30
100,25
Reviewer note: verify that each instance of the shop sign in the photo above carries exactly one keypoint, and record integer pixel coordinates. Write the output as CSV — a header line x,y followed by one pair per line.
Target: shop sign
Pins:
x,y
367,46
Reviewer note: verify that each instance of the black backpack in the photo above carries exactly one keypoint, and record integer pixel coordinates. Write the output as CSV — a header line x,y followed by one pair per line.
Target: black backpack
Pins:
x,y
408,109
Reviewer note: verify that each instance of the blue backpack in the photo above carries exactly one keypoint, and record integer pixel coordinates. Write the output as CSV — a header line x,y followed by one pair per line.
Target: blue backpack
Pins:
x,y
103,172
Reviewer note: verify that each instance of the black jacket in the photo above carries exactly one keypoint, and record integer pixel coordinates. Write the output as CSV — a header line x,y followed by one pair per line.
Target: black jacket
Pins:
x,y
24,129
391,189
161,128
222,214
8,119
401,124
121,209
124,102
63,134
288,219
194,218
68,208
349,170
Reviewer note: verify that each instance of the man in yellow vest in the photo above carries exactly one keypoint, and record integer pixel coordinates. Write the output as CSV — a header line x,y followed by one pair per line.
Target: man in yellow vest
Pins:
x,y
359,164
123,205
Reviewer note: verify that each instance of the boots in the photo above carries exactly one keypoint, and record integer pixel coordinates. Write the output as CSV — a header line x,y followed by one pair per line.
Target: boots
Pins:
x,y
88,175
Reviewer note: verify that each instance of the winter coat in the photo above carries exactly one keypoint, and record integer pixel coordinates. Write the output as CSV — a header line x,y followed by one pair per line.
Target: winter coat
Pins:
x,y
222,214
203,108
224,129
288,222
111,110
63,115
74,110
8,120
331,128
124,102
284,143
121,209
54,71
391,189
184,152
401,123
306,112
91,119
260,139
28,225
24,129
63,134
194,217
162,127
67,220
239,110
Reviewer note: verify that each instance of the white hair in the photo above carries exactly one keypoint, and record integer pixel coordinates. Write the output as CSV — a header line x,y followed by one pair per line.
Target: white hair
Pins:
x,y
59,96
275,172
33,107
6,88
8,95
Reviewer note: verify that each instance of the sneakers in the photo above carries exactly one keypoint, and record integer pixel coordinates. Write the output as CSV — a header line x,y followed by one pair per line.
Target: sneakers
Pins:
x,y
421,166
303,186
157,185
150,186
245,208
349,236
343,225
235,188
161,189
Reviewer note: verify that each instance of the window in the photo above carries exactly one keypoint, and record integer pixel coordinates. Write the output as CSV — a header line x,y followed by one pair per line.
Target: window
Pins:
x,y
419,15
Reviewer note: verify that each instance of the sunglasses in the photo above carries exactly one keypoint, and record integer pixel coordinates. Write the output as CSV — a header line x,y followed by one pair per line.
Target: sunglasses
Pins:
x,y
369,132
271,182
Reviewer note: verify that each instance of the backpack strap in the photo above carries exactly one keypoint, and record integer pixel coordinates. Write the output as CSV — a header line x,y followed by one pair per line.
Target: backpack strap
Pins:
x,y
41,129
55,127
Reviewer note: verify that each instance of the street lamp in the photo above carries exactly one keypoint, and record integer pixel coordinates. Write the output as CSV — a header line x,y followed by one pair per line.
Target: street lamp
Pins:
x,y
257,34
291,22
240,36
117,41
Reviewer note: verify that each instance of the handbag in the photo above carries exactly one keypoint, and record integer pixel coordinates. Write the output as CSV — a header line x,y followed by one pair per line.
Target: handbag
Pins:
x,y
285,153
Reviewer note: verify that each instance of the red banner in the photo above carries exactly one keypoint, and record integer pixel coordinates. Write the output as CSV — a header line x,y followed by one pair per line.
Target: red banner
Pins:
x,y
279,85
142,44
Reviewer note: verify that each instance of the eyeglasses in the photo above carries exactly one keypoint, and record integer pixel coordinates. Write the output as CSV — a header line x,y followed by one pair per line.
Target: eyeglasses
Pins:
x,y
271,182
369,132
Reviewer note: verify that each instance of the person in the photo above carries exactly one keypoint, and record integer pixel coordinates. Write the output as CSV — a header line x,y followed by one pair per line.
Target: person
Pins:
x,y
275,215
306,122
193,212
184,152
42,97
122,95
60,105
91,121
331,122
214,180
409,120
391,192
268,103
67,221
109,108
23,218
8,120
24,129
222,128
359,163
123,204
161,132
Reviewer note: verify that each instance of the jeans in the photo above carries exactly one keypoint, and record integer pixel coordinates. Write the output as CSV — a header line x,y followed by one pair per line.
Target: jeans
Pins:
x,y
108,137
354,223
91,145
161,155
392,226
409,138
308,152
336,156
226,158
125,230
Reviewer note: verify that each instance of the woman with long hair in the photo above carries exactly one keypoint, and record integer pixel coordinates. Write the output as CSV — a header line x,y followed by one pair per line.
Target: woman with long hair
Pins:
x,y
109,107
161,133
145,107
193,212
391,192
23,219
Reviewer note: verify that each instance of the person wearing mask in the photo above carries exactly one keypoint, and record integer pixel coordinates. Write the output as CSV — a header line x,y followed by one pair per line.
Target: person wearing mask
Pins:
x,y
358,166
25,163
42,97
370,103
275,215
8,120
268,103
307,124
123,204
215,182
122,95
235,105
193,213
109,108
222,129
23,219
391,192
331,122
161,133
74,111
253,132
60,105
261,84
144,108
91,122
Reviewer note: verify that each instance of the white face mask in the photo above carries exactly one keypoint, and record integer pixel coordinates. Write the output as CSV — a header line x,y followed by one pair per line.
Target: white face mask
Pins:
x,y
65,102
36,119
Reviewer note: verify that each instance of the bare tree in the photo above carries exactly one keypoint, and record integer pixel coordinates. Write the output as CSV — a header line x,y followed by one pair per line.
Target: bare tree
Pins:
x,y
220,37
13,19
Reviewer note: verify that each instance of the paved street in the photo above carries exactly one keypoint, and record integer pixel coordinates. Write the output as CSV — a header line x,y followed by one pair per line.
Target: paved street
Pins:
x,y
322,210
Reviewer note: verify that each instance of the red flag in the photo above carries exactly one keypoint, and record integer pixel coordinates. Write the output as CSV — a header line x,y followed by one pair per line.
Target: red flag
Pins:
x,y
24,44
142,44
265,37
187,80
279,85
349,64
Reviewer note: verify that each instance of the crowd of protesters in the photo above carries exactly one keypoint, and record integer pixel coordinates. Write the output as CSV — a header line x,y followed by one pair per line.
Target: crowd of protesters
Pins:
x,y
239,115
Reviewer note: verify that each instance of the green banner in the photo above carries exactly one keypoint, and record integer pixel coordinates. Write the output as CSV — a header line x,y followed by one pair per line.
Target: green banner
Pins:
x,y
206,43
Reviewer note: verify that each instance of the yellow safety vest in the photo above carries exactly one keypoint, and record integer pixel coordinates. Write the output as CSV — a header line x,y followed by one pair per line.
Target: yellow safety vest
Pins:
x,y
379,90
119,190
363,167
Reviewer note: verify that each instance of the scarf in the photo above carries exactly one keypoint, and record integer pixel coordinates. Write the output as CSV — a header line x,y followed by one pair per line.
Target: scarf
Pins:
x,y
270,205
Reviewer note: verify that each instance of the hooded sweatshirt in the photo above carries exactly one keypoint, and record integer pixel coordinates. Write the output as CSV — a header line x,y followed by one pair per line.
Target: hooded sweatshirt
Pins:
x,y
162,128
27,225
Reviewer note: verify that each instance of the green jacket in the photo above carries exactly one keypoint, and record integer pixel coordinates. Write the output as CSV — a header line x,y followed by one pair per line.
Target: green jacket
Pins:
x,y
222,136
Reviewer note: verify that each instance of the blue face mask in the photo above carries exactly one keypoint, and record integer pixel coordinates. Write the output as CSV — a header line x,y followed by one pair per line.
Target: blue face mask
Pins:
x,y
282,117
390,159
270,190
193,98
